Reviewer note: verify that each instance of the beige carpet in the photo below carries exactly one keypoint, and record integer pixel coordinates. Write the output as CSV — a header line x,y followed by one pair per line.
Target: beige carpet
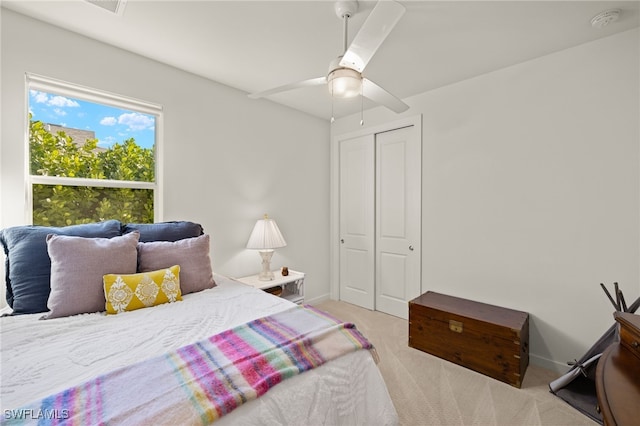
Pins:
x,y
429,391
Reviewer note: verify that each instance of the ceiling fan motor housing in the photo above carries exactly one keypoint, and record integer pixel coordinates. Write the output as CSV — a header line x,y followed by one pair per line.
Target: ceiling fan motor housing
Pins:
x,y
344,82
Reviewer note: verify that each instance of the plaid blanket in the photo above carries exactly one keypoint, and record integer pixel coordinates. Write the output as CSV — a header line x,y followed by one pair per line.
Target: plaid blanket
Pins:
x,y
201,382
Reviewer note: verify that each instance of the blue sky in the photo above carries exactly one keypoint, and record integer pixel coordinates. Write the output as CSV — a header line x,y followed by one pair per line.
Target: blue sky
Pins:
x,y
110,124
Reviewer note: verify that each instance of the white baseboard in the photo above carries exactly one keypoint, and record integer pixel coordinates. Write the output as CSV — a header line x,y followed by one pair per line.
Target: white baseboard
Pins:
x,y
317,300
549,364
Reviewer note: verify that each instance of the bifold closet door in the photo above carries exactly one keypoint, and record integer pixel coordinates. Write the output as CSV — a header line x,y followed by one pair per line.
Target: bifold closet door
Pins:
x,y
357,226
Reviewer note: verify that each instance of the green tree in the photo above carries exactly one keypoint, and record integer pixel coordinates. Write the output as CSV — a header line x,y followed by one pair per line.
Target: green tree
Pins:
x,y
60,205
128,161
58,155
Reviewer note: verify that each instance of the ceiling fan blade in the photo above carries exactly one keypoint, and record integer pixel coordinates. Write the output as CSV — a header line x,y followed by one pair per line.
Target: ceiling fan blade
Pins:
x,y
377,94
380,22
306,83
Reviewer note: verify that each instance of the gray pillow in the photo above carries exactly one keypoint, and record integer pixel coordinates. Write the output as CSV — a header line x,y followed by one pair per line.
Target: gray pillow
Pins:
x,y
192,254
77,267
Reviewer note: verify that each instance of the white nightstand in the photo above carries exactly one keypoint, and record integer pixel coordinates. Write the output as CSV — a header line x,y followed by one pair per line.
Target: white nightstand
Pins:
x,y
292,285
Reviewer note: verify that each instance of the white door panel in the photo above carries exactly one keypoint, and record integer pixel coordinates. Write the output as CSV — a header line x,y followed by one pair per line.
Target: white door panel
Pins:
x,y
398,182
357,257
392,273
391,187
356,261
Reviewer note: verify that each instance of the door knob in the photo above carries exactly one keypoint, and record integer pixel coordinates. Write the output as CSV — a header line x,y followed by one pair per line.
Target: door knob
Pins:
x,y
411,248
342,240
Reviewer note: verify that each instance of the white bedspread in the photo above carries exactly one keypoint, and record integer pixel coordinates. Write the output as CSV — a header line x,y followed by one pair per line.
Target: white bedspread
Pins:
x,y
43,357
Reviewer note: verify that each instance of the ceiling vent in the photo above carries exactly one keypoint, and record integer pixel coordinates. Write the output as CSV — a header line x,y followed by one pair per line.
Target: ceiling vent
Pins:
x,y
113,6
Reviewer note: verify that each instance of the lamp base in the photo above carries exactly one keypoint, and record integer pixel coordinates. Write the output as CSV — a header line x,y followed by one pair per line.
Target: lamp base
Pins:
x,y
266,274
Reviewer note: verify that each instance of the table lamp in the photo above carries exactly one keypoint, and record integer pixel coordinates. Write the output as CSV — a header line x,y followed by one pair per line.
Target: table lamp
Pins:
x,y
265,237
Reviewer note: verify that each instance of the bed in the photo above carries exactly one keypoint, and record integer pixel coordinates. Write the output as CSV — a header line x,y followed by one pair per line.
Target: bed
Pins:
x,y
43,357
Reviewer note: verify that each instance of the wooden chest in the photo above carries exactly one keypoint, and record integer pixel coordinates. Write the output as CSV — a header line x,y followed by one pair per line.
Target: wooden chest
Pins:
x,y
488,339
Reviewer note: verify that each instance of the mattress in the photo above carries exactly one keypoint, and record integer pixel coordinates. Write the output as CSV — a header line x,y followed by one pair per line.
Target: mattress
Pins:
x,y
39,358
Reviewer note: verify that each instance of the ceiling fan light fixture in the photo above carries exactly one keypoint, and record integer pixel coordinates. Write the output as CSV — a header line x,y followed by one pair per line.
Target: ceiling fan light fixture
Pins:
x,y
344,83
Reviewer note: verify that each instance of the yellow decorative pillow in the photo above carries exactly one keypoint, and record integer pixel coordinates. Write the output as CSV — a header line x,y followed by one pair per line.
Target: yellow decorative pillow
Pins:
x,y
136,291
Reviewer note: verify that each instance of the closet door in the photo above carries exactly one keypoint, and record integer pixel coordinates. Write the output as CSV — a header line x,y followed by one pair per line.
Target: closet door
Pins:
x,y
357,226
398,207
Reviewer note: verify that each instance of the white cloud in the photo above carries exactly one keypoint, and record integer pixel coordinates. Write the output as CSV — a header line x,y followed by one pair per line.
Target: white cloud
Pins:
x,y
39,97
57,100
136,121
61,101
108,121
59,112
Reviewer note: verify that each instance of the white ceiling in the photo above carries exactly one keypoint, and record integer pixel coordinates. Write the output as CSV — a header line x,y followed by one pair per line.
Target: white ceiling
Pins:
x,y
257,45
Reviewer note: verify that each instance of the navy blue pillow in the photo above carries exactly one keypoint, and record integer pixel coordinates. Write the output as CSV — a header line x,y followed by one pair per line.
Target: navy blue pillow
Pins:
x,y
28,267
164,231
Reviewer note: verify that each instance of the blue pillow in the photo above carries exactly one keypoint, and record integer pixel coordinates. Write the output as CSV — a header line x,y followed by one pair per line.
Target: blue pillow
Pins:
x,y
164,231
28,267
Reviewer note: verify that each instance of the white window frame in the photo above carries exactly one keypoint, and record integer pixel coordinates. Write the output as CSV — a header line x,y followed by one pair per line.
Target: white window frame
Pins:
x,y
50,85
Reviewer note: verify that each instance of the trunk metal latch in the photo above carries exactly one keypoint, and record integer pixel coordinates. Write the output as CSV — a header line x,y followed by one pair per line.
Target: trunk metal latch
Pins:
x,y
455,326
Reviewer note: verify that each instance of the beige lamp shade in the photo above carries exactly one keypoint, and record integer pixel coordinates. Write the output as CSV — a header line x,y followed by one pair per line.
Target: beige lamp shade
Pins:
x,y
266,235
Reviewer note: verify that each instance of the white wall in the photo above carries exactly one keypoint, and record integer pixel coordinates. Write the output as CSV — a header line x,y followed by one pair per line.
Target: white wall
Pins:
x,y
531,189
228,159
531,180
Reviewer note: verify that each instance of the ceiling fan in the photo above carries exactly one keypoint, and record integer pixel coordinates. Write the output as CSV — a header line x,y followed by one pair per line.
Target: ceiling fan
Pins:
x,y
345,79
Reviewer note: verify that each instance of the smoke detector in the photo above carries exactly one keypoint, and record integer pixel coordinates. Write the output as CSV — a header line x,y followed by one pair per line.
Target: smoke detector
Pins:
x,y
603,19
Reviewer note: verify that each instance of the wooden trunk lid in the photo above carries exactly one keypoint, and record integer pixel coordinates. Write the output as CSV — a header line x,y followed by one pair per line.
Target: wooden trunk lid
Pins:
x,y
481,317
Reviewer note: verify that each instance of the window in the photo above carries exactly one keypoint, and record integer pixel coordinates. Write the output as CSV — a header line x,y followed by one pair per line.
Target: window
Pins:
x,y
92,155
